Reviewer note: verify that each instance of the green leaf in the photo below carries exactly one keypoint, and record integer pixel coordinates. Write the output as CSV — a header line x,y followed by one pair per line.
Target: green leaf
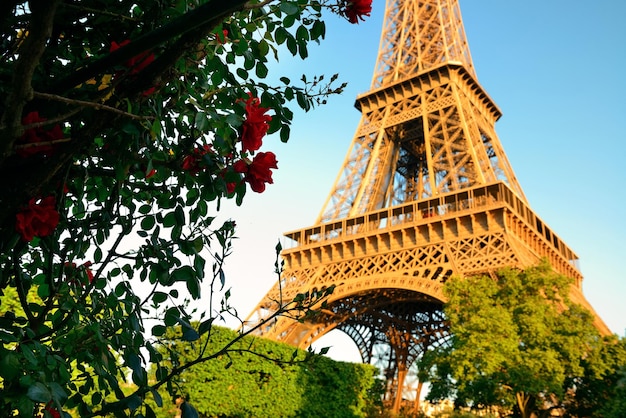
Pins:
x,y
10,366
133,402
183,274
289,8
302,101
222,278
302,34
189,334
149,412
161,373
39,393
157,398
96,398
58,393
192,196
120,289
285,133
261,70
249,61
179,215
242,73
292,45
158,330
177,232
281,35
205,326
169,220
288,21
155,129
263,48
143,209
193,285
147,223
318,30
201,122
198,265
159,297
303,50
198,244
43,291
97,255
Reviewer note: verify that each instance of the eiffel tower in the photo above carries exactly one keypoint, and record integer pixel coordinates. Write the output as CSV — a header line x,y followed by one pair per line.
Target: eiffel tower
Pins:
x,y
425,192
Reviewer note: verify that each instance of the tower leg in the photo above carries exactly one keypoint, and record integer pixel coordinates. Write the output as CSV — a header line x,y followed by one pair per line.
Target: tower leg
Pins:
x,y
397,403
418,395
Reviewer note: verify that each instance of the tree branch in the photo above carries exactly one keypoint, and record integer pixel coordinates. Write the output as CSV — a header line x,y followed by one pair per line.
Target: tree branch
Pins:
x,y
30,52
84,103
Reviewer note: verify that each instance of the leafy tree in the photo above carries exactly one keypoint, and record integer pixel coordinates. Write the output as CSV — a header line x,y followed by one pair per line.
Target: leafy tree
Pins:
x,y
241,382
518,342
601,390
123,125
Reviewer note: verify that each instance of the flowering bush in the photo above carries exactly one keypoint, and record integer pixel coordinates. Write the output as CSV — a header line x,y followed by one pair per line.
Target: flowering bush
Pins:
x,y
154,112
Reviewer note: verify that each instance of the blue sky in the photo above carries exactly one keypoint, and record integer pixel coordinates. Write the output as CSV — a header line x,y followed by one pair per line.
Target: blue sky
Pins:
x,y
555,70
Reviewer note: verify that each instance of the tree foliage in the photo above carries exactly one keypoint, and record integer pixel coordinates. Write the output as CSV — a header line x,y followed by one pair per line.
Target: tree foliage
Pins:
x,y
518,342
601,389
241,382
123,124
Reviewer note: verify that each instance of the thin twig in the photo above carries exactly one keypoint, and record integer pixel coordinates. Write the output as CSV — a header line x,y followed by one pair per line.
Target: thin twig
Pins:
x,y
41,144
84,103
249,6
100,12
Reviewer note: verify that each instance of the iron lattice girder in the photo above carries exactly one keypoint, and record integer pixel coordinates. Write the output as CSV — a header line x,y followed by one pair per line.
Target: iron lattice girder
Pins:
x,y
427,135
415,247
407,322
417,36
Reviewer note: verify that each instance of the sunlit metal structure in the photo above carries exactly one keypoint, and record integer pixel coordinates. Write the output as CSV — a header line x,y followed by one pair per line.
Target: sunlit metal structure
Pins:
x,y
425,192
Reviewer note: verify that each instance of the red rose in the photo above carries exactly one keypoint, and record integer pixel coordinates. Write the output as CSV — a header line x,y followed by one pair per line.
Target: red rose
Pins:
x,y
136,63
231,185
77,274
148,92
240,166
88,271
356,9
222,37
51,410
28,142
38,219
255,126
258,172
191,162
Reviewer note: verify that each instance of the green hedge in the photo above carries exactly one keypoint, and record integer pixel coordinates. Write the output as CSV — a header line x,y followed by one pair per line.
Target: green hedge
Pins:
x,y
243,384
